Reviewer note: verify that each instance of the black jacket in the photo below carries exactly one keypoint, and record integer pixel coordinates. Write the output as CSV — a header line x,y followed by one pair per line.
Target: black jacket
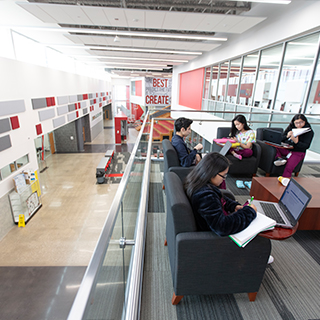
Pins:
x,y
186,156
209,215
304,139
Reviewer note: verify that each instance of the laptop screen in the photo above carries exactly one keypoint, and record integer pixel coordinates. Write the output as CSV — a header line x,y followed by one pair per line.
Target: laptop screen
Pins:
x,y
295,198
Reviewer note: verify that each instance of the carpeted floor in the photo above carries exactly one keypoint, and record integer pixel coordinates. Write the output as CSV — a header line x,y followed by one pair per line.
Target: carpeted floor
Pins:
x,y
290,289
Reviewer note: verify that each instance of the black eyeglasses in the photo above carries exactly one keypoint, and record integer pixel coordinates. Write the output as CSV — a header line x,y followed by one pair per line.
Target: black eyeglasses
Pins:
x,y
223,177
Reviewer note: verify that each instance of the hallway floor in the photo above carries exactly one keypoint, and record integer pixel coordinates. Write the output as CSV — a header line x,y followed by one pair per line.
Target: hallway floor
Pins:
x,y
42,265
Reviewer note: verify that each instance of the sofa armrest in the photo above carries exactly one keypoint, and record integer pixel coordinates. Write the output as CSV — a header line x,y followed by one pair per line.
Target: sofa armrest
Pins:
x,y
267,158
218,264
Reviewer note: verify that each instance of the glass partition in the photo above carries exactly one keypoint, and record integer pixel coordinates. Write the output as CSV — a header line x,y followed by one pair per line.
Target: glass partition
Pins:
x,y
267,77
114,273
234,79
261,116
207,146
229,107
296,73
108,296
313,104
219,107
214,82
222,81
248,78
207,82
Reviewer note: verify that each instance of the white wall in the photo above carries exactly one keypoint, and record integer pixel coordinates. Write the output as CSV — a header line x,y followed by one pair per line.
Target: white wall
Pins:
x,y
24,81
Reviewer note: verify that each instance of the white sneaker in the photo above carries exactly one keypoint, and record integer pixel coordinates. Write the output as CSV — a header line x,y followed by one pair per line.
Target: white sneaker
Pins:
x,y
271,259
280,162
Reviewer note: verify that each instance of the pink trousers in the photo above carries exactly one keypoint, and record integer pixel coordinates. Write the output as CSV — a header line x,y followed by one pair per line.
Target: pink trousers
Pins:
x,y
293,160
245,153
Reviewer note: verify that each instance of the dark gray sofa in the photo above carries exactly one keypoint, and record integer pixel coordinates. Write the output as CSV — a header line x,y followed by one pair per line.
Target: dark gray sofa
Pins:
x,y
246,165
268,154
202,262
171,160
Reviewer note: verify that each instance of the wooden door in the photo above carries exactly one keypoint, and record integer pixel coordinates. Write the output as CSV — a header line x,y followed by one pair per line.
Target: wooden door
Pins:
x,y
51,140
83,135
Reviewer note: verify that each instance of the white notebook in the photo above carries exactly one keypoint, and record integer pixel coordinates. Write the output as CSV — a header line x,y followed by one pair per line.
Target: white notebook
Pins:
x,y
260,223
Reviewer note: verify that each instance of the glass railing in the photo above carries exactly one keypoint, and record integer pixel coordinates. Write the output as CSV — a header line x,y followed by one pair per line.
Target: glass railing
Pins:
x,y
110,288
258,118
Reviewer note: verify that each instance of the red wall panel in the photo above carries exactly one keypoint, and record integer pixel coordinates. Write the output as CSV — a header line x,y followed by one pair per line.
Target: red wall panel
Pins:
x,y
14,122
139,88
191,87
39,129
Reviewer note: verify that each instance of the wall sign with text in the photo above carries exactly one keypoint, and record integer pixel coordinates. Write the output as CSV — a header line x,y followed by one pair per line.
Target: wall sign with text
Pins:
x,y
158,91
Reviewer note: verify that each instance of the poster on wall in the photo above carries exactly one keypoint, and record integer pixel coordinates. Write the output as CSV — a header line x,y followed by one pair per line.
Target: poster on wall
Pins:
x,y
158,91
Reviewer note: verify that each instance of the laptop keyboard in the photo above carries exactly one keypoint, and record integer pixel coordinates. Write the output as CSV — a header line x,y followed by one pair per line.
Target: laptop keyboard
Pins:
x,y
271,212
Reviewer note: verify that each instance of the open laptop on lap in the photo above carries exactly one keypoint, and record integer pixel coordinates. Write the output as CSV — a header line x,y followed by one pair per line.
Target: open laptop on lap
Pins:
x,y
224,150
290,206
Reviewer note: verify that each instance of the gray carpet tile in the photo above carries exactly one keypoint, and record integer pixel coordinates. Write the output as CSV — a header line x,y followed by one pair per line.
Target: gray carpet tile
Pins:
x,y
231,185
310,241
290,288
210,307
155,203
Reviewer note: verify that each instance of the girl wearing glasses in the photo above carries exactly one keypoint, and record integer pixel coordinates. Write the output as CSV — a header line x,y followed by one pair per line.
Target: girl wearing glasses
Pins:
x,y
213,211
300,143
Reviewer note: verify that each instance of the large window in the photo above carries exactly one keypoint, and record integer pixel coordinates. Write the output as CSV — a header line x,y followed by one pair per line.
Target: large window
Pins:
x,y
207,83
214,82
248,78
234,79
296,72
267,77
223,81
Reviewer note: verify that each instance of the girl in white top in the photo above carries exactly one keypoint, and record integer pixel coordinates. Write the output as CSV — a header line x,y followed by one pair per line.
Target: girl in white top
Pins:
x,y
241,132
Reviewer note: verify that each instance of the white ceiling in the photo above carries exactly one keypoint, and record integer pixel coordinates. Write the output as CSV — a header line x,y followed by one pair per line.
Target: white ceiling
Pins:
x,y
50,24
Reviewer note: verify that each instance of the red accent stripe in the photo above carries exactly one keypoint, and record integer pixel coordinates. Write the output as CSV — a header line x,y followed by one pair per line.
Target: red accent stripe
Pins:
x,y
113,175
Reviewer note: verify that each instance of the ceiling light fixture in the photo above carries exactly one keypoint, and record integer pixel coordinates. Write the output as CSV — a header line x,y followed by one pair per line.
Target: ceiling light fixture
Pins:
x,y
270,1
128,64
128,33
125,49
114,67
116,39
130,58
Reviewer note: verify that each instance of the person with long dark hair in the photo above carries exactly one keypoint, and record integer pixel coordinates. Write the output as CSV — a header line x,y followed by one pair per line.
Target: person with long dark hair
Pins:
x,y
212,211
300,143
241,132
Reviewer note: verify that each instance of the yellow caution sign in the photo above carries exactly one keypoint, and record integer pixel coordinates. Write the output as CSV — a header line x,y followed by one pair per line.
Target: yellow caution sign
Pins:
x,y
21,222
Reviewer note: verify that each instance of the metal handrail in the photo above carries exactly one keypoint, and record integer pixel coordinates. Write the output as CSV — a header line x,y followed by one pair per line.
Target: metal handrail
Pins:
x,y
134,283
83,296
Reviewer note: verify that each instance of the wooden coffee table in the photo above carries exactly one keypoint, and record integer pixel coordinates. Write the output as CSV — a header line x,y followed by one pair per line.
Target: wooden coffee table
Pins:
x,y
270,189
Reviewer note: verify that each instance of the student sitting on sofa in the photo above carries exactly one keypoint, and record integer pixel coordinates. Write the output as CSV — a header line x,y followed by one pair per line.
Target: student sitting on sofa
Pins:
x,y
241,132
212,211
187,157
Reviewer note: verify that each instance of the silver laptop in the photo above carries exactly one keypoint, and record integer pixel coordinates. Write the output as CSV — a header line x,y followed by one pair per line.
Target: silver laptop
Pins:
x,y
290,206
225,148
